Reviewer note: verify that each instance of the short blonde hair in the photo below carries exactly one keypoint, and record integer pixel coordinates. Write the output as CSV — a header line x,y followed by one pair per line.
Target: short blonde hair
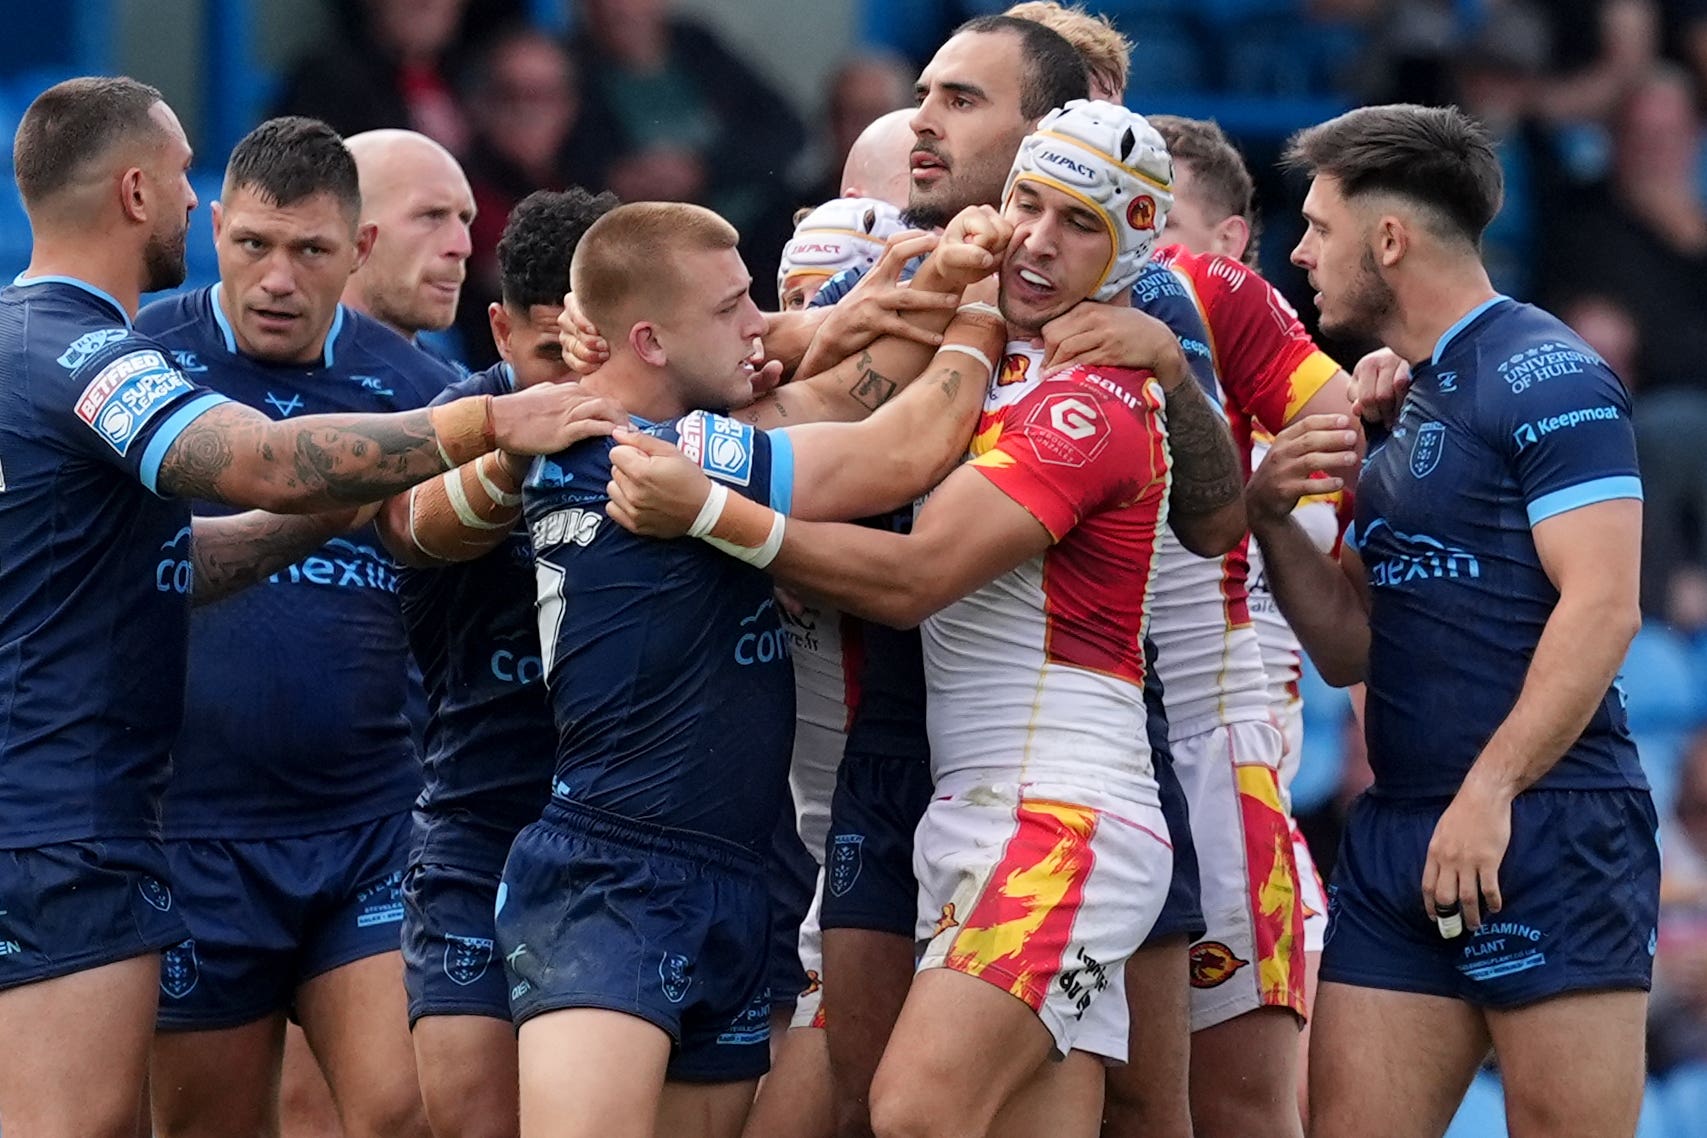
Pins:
x,y
634,251
1107,53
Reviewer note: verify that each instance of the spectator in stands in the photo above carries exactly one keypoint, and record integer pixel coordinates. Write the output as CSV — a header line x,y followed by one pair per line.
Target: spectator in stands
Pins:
x,y
1677,1016
1499,75
1600,48
863,89
392,70
524,105
681,118
1641,240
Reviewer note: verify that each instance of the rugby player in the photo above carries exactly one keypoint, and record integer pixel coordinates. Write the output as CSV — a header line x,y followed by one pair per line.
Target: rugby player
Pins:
x,y
99,431
489,734
287,819
417,198
1257,332
1499,883
1025,546
632,917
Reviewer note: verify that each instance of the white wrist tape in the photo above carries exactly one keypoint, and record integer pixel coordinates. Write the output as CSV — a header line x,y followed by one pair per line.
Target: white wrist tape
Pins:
x,y
981,308
710,511
709,514
761,557
492,489
464,510
969,350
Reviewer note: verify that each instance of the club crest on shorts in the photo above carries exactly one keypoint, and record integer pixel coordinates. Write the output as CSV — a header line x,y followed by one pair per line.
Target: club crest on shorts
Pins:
x,y
1213,964
154,891
845,863
1425,456
466,958
179,971
674,976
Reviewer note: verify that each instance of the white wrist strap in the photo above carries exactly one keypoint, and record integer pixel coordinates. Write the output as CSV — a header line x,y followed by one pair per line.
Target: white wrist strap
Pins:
x,y
464,510
712,510
969,350
492,489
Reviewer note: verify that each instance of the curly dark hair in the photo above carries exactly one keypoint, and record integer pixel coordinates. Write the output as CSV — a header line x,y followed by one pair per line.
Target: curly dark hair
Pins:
x,y
539,242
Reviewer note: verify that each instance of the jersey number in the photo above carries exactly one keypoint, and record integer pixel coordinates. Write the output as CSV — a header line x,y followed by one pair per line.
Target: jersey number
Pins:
x,y
551,580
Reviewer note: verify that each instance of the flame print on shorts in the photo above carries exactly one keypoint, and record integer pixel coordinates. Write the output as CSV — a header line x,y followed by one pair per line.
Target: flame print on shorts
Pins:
x,y
1278,918
1020,926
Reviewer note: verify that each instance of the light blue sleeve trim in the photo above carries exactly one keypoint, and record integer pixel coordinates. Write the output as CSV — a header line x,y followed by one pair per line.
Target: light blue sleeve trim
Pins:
x,y
1451,333
782,471
1584,494
168,434
1350,539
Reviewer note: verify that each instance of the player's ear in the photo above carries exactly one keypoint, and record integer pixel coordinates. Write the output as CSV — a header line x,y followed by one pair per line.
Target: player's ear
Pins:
x,y
365,233
499,318
132,198
1392,239
1232,235
643,338
217,209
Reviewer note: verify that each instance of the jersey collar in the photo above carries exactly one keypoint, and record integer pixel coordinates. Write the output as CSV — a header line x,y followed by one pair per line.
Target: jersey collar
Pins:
x,y
98,293
1462,323
327,353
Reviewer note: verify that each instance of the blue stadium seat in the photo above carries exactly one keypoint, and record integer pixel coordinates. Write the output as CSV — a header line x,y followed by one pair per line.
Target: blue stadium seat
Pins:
x,y
1325,712
1482,1114
1658,1120
1684,1100
1661,681
1698,672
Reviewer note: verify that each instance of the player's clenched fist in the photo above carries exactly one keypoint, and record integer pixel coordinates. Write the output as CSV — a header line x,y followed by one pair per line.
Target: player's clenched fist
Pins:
x,y
549,417
655,490
972,246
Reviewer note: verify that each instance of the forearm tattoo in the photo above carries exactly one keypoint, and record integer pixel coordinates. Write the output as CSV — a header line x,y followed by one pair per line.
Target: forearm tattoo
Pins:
x,y
232,553
235,455
1207,475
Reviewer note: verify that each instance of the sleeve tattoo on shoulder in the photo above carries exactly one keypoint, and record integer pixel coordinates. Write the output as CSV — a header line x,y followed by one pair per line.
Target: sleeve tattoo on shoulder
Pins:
x,y
342,458
1206,471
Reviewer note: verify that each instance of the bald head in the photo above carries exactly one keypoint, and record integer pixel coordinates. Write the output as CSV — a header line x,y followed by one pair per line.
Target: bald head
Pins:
x,y
878,163
417,197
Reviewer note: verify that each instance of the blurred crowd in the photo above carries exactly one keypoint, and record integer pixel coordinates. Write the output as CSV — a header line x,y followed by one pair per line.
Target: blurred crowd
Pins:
x,y
1597,106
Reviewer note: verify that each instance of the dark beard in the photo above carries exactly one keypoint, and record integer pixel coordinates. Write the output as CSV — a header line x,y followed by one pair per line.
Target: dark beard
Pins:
x,y
1369,304
163,262
926,217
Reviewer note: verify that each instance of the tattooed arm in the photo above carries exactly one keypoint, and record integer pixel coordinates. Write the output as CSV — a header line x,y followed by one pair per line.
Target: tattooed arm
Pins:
x,y
236,455
854,470
231,553
960,263
1206,507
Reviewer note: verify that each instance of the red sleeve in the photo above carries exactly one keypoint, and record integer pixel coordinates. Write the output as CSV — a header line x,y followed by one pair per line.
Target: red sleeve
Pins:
x,y
1084,441
1269,365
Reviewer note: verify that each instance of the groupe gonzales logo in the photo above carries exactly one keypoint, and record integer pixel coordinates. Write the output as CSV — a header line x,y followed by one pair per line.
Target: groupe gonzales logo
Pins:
x,y
1141,212
1213,964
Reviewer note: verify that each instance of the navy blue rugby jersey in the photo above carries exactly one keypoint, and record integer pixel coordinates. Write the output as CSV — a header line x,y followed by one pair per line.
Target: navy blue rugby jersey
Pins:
x,y
295,714
95,571
1512,421
490,740
667,663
